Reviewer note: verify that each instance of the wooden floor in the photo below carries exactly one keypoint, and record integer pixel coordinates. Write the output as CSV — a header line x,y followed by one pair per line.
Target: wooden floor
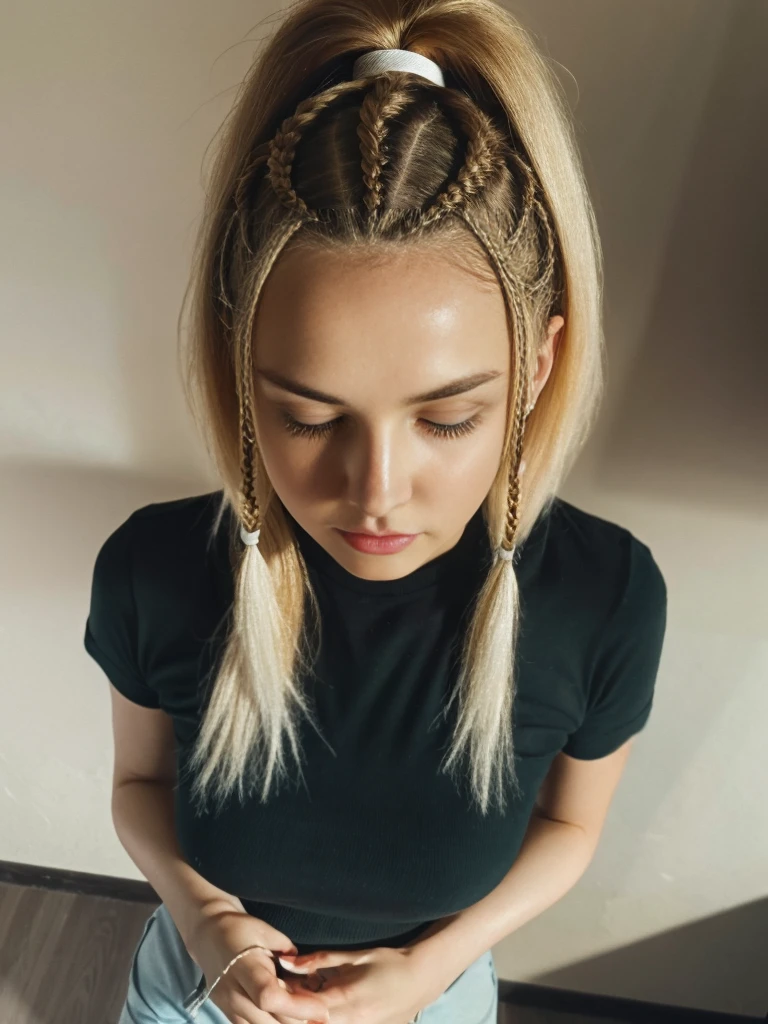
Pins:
x,y
64,959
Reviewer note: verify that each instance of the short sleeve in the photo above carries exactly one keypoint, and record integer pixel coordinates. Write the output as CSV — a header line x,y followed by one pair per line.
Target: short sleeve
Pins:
x,y
111,631
622,683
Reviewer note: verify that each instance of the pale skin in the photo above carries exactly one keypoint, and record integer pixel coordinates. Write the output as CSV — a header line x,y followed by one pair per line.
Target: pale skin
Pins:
x,y
371,337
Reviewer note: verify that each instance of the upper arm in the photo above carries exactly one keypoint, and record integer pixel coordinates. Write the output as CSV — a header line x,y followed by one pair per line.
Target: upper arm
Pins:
x,y
579,792
143,732
113,636
582,779
145,746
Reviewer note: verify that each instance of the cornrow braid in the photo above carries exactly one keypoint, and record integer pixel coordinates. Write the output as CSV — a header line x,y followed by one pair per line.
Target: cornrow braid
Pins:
x,y
532,204
383,102
282,147
483,160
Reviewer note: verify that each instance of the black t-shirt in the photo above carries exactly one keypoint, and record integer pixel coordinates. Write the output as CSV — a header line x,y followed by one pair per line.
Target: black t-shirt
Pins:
x,y
376,843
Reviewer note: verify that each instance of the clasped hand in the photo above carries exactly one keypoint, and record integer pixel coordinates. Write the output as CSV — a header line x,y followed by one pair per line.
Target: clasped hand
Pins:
x,y
383,985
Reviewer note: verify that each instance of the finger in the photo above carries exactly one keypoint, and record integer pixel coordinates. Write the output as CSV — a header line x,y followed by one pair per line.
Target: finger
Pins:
x,y
323,958
238,1007
266,1018
274,996
244,1011
262,1018
280,1018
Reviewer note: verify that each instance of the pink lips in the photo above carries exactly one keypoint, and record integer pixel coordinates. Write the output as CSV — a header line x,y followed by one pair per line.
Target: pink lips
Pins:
x,y
386,545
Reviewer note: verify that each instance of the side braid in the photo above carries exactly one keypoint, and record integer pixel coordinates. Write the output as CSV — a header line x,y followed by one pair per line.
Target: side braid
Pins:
x,y
251,516
531,206
520,363
513,503
521,390
250,512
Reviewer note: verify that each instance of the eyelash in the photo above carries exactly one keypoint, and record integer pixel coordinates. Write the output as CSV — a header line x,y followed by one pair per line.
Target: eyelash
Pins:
x,y
445,431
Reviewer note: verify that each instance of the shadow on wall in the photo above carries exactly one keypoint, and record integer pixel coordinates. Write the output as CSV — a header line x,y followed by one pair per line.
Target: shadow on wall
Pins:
x,y
694,417
718,958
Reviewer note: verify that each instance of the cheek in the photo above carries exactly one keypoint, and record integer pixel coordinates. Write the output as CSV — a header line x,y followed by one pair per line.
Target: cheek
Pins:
x,y
282,458
471,463
473,459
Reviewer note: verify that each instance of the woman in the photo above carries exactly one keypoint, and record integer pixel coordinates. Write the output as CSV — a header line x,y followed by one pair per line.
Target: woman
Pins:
x,y
395,320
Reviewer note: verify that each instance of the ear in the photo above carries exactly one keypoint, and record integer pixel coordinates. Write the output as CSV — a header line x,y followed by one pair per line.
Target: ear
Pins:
x,y
546,355
555,333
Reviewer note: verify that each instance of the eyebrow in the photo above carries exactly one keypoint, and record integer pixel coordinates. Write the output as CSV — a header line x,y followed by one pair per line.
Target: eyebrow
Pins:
x,y
454,387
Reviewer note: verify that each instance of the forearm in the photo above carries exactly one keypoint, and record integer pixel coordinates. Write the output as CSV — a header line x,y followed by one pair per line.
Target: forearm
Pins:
x,y
552,858
143,817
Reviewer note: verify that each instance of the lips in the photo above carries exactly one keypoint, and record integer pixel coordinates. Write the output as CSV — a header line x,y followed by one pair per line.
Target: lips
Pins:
x,y
366,533
386,544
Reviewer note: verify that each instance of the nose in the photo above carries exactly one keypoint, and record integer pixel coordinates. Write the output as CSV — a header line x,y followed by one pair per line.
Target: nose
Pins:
x,y
379,472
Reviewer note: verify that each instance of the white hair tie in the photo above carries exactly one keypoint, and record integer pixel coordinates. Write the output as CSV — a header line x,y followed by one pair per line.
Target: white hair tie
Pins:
x,y
376,61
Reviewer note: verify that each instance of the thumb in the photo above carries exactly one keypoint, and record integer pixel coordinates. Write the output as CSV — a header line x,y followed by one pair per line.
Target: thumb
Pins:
x,y
277,942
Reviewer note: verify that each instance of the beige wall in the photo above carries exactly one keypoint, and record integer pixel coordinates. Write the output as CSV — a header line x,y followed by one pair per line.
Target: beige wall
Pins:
x,y
107,109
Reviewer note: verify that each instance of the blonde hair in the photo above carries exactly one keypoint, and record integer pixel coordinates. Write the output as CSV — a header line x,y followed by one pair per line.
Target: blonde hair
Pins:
x,y
484,171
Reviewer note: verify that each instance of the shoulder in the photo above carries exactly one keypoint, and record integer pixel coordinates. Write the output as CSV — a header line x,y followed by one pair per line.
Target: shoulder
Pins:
x,y
165,547
605,560
182,515
175,530
154,590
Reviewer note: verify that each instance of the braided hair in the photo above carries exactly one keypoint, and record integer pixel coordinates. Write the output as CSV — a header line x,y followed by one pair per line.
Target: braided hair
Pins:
x,y
390,160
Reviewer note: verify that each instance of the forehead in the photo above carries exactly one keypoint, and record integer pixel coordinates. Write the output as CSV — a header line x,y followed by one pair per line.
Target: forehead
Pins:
x,y
340,315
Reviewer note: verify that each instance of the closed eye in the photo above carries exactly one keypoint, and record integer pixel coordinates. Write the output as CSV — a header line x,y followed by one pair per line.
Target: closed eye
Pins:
x,y
318,430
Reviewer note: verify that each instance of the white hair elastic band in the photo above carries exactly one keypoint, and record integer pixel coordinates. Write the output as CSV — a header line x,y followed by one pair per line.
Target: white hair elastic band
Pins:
x,y
376,61
249,538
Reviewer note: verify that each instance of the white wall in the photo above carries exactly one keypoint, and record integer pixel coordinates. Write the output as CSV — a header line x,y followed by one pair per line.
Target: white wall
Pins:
x,y
107,109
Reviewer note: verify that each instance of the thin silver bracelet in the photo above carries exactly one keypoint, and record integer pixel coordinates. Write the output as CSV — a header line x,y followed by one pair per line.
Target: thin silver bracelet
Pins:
x,y
193,1009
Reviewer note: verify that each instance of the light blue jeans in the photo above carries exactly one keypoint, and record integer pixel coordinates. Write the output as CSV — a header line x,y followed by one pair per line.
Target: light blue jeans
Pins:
x,y
164,981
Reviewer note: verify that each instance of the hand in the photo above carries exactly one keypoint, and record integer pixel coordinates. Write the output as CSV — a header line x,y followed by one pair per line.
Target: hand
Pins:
x,y
250,992
378,986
